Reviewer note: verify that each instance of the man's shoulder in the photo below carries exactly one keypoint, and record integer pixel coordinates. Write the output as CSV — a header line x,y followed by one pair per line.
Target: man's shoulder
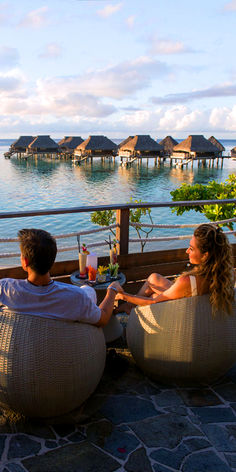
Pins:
x,y
9,286
9,281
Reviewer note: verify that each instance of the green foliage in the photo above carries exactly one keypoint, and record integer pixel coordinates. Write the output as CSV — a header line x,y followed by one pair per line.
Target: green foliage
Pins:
x,y
211,191
136,216
108,217
104,218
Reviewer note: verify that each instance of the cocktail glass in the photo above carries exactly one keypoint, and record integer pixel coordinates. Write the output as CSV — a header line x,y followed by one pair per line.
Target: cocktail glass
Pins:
x,y
113,256
82,264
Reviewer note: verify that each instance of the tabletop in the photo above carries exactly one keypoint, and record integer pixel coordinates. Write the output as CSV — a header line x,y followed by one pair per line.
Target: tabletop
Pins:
x,y
76,280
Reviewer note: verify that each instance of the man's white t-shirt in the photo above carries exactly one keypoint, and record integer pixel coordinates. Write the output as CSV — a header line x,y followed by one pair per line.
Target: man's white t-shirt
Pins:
x,y
56,300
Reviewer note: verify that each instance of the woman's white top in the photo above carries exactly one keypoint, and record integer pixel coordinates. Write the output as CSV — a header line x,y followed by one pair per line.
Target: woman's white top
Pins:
x,y
193,284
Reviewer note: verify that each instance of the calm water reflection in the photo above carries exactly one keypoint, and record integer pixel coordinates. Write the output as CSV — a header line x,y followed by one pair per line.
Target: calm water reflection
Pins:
x,y
40,184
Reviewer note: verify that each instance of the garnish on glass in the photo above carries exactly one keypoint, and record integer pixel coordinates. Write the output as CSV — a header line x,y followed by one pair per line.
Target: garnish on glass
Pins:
x,y
102,269
85,249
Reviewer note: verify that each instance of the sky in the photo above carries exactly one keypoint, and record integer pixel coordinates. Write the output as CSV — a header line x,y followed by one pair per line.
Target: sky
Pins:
x,y
118,68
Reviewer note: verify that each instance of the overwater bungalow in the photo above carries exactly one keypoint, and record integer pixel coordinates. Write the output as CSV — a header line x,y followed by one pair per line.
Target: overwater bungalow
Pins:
x,y
21,144
168,144
19,147
96,146
69,143
217,143
233,153
43,144
195,147
125,141
140,146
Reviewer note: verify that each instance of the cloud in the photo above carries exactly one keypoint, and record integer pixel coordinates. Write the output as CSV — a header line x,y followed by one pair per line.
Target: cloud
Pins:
x,y
12,85
14,126
9,57
178,121
223,118
109,10
43,103
118,81
183,119
35,19
230,6
167,46
9,84
75,104
130,21
51,51
5,14
211,92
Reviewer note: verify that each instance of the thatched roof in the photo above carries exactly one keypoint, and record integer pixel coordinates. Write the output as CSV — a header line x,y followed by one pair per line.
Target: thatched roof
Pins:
x,y
63,140
233,150
141,142
125,141
70,142
196,143
97,143
216,143
43,143
168,143
22,142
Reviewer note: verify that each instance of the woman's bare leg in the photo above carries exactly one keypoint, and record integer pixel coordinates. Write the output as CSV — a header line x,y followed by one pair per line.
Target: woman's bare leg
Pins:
x,y
155,283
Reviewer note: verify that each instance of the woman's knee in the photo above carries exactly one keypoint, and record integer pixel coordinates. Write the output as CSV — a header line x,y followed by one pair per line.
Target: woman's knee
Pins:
x,y
157,280
154,277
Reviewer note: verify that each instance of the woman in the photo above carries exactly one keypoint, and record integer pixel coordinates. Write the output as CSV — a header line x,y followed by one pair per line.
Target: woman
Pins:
x,y
211,254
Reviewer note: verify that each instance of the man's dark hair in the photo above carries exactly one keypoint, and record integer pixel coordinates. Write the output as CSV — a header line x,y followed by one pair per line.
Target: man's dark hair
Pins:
x,y
39,247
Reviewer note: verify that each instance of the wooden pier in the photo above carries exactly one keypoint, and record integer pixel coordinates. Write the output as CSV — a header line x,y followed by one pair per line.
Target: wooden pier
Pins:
x,y
124,160
178,161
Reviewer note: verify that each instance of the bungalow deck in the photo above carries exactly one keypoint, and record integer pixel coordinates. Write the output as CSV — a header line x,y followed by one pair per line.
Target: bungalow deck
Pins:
x,y
130,423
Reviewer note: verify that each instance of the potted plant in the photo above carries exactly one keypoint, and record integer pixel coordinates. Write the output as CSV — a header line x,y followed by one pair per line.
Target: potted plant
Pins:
x,y
113,269
102,274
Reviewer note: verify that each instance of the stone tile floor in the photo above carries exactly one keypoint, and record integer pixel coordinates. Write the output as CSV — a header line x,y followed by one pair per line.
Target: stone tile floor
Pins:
x,y
130,424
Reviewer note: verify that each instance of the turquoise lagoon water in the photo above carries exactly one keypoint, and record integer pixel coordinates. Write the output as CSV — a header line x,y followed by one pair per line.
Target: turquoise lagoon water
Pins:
x,y
41,184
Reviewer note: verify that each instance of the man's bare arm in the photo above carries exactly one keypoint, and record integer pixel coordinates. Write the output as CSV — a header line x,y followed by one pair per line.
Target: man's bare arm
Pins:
x,y
107,304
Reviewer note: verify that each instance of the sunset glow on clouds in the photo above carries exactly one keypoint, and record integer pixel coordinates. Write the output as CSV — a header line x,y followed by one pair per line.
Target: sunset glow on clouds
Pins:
x,y
117,68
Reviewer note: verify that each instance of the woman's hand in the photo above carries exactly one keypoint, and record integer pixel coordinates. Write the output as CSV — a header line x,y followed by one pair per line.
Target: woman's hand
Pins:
x,y
119,296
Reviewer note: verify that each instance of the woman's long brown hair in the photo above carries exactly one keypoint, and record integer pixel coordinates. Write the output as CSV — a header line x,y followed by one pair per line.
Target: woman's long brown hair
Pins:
x,y
217,270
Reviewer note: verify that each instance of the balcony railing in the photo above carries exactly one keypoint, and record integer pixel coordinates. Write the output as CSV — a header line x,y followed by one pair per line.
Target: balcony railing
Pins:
x,y
135,266
122,224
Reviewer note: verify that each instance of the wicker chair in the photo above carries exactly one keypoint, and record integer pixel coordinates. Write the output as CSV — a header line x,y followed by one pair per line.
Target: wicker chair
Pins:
x,y
178,341
48,367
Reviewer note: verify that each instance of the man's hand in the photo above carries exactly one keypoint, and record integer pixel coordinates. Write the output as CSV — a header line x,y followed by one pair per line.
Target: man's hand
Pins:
x,y
116,286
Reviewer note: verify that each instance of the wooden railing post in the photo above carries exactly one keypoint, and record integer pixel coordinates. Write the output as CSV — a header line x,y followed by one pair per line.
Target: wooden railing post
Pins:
x,y
122,230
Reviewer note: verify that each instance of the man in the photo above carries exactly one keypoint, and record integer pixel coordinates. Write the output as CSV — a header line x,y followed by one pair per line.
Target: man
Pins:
x,y
42,296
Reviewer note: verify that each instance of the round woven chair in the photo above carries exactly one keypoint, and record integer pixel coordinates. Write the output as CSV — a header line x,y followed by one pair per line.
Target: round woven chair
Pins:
x,y
178,342
48,367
